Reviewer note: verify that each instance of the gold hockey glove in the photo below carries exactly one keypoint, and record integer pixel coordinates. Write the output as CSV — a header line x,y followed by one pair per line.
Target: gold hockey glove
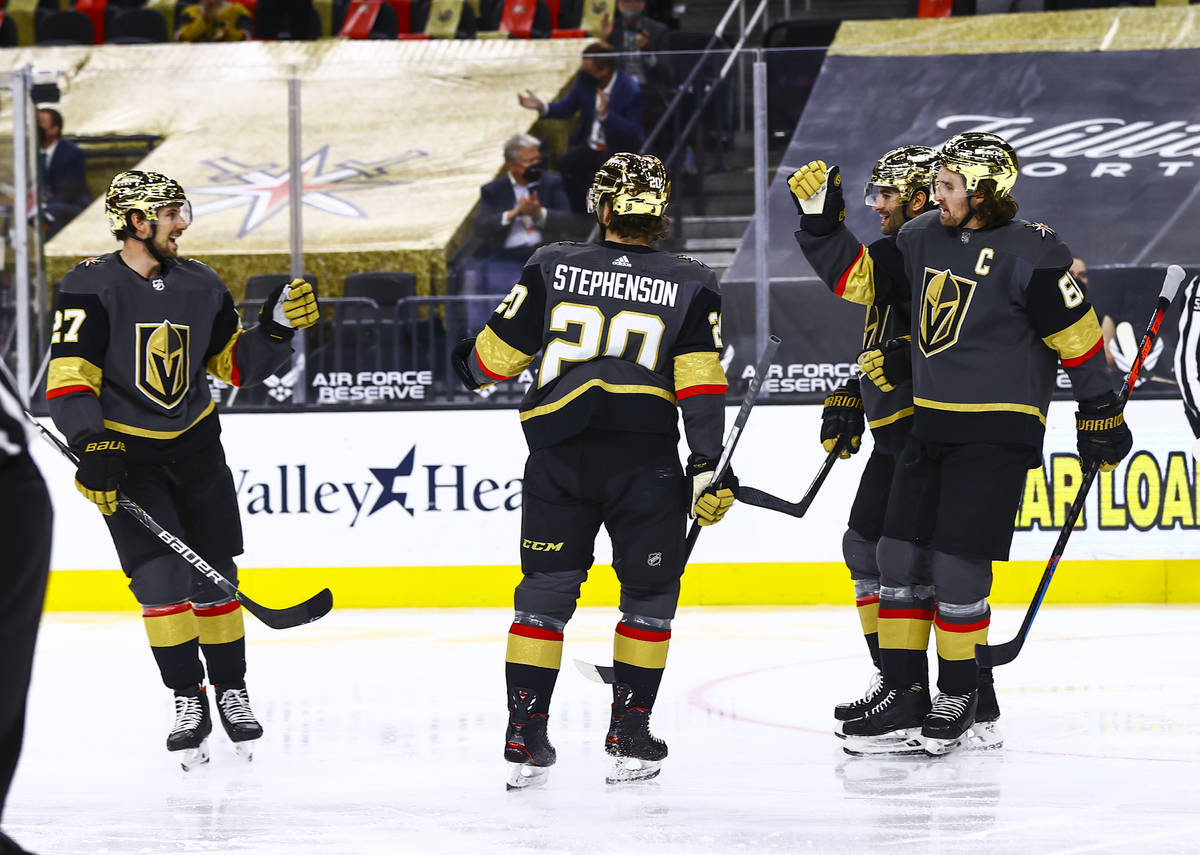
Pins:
x,y
101,468
889,364
842,419
817,192
710,502
1101,433
289,307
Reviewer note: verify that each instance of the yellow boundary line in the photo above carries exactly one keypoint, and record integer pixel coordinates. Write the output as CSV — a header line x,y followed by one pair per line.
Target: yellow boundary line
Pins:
x,y
814,583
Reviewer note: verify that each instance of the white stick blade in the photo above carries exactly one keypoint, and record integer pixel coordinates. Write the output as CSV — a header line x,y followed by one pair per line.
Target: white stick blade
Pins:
x,y
1196,450
1171,282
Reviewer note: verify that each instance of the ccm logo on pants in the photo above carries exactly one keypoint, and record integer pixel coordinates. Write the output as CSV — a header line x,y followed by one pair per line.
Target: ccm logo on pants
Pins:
x,y
539,546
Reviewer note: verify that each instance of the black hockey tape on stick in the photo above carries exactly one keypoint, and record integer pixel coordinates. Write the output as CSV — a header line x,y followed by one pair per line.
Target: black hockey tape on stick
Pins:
x,y
763,499
991,655
605,673
312,609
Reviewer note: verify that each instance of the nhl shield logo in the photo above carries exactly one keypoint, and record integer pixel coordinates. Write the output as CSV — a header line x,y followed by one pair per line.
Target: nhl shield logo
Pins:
x,y
654,559
945,300
162,362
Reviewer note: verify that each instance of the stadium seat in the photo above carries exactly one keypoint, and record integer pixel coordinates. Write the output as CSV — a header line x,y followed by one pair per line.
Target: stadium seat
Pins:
x,y
138,26
260,286
370,19
98,11
935,8
445,19
65,28
594,13
524,19
8,31
384,287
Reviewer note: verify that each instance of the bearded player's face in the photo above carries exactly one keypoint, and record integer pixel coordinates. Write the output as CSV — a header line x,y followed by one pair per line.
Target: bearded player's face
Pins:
x,y
950,192
171,224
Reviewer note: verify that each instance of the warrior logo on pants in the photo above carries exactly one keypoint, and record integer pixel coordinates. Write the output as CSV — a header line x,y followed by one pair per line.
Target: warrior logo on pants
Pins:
x,y
162,362
945,299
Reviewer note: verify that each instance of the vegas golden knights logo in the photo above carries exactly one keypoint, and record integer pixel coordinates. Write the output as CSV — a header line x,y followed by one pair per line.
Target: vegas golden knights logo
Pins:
x,y
162,362
875,325
945,300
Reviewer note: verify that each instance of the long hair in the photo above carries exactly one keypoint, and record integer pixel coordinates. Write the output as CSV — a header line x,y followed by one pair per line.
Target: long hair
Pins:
x,y
994,210
644,226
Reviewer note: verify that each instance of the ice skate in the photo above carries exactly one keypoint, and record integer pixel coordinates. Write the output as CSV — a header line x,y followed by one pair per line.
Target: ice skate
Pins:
x,y
193,724
948,721
892,726
857,709
526,748
637,754
985,732
233,706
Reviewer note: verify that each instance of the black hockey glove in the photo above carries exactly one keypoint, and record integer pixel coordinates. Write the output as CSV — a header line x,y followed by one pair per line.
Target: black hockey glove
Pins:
x,y
1101,433
817,192
460,358
710,502
842,419
101,468
889,364
283,312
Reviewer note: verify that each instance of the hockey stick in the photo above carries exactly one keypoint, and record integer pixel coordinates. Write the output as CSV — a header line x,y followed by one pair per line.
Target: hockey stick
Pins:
x,y
763,499
604,673
310,610
991,655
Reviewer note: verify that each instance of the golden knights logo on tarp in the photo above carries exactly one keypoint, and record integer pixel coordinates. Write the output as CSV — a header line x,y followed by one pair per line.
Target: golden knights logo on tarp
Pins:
x,y
162,362
945,300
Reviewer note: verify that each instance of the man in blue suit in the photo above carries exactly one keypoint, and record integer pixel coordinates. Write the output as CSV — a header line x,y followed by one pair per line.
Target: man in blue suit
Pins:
x,y
609,104
518,212
64,173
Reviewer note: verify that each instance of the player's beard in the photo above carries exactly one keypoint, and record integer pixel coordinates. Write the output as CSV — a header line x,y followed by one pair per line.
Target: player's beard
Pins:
x,y
893,222
165,243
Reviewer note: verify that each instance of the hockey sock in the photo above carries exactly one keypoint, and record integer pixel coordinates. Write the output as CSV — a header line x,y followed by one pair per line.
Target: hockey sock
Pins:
x,y
905,617
533,658
959,628
174,641
640,655
223,642
868,616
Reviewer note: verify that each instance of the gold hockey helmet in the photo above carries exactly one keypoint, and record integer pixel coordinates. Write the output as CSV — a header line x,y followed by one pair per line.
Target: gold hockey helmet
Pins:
x,y
978,156
145,192
632,184
906,169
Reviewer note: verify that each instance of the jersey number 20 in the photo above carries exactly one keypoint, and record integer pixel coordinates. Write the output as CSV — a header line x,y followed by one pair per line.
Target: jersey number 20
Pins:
x,y
591,325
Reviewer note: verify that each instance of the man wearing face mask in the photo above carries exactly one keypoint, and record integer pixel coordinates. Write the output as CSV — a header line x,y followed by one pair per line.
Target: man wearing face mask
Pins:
x,y
609,103
521,210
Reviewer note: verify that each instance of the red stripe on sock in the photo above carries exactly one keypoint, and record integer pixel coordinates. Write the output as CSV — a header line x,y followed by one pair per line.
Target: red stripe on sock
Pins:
x,y
962,627
642,634
527,631
905,614
163,611
867,601
214,611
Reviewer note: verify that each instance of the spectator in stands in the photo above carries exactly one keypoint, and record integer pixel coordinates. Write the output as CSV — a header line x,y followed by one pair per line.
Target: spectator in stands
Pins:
x,y
518,212
609,103
215,21
64,173
639,39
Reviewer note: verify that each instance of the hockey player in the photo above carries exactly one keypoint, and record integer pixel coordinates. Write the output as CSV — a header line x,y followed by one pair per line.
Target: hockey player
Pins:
x,y
135,332
626,333
899,189
995,310
25,529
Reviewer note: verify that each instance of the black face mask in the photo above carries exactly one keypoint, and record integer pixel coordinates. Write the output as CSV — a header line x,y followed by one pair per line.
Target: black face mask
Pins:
x,y
533,174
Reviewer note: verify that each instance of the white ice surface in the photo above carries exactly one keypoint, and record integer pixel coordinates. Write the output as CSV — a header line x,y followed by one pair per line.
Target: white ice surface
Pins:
x,y
384,732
